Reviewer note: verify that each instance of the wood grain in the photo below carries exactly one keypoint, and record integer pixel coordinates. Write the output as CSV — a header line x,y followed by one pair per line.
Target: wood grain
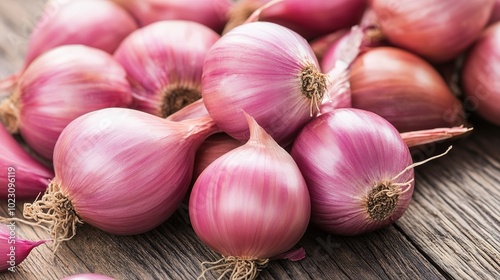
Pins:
x,y
450,231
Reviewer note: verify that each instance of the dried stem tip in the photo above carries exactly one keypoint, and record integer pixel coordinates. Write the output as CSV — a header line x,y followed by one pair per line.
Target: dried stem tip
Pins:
x,y
313,85
237,268
382,201
177,97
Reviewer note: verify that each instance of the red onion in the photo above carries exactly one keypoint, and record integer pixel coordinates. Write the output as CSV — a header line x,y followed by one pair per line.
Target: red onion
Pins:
x,y
120,170
211,13
480,76
164,62
27,177
250,204
94,23
310,19
60,85
358,170
13,250
404,89
436,29
88,276
268,71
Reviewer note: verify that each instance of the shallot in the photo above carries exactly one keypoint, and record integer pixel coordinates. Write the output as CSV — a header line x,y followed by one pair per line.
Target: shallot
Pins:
x,y
60,85
358,170
164,63
404,89
480,76
25,176
14,250
211,13
438,30
120,170
310,19
250,205
270,72
94,23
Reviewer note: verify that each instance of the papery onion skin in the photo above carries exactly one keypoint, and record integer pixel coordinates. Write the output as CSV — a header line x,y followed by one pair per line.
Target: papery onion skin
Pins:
x,y
94,23
164,63
257,68
435,29
211,13
404,89
22,248
61,85
480,76
31,177
252,202
342,155
495,14
125,171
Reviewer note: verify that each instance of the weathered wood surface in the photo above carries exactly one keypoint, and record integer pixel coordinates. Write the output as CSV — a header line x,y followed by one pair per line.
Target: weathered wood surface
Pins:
x,y
450,231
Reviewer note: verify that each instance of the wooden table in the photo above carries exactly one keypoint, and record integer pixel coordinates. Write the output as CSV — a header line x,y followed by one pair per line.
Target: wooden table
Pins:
x,y
450,231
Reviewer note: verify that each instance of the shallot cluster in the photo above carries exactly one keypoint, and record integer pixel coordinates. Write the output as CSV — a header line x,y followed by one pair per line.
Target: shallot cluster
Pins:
x,y
266,116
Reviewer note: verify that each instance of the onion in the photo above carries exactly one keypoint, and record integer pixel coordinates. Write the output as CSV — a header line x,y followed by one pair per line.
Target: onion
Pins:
x,y
211,13
60,85
212,148
404,89
94,23
436,29
13,250
26,177
88,276
480,76
164,62
268,71
358,170
310,19
250,204
120,170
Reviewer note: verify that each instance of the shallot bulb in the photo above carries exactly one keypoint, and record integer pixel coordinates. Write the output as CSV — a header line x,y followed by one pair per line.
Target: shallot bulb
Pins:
x,y
310,19
358,171
59,86
164,63
94,23
212,148
250,204
211,13
24,176
480,76
438,30
268,71
404,89
120,170
14,250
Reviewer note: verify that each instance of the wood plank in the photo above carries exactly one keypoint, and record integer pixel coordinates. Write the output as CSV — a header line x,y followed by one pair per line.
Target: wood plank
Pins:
x,y
454,216
451,229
